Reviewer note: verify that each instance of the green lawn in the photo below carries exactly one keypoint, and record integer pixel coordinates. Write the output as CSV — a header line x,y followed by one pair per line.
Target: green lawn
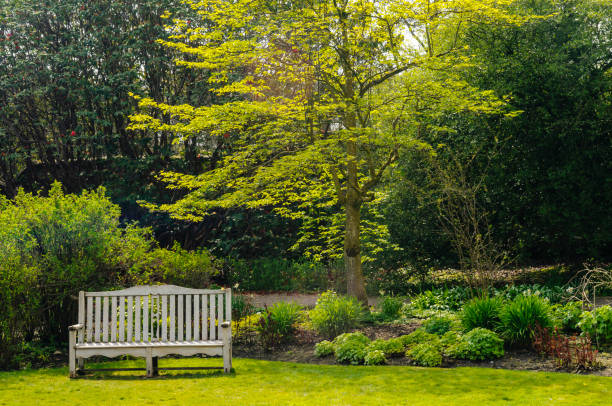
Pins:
x,y
280,383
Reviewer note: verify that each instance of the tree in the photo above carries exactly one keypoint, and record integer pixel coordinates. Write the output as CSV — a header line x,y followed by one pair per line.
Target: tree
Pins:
x,y
332,93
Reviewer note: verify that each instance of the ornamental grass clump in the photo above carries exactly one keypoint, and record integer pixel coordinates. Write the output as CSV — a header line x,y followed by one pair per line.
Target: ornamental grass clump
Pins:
x,y
390,308
335,314
482,312
520,317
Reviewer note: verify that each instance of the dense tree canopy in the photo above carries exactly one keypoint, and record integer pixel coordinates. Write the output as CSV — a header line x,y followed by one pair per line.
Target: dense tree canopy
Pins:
x,y
332,94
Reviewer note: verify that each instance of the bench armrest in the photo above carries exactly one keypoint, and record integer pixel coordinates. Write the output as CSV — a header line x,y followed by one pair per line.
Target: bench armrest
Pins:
x,y
225,324
75,327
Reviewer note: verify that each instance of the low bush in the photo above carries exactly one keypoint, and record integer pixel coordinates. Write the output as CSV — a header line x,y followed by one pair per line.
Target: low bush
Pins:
x,y
324,349
438,325
598,325
520,317
441,299
335,314
450,338
391,348
478,344
567,316
375,357
350,348
554,294
482,312
418,336
426,354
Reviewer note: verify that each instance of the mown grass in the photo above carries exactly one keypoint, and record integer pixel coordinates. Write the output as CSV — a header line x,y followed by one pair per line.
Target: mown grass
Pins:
x,y
280,383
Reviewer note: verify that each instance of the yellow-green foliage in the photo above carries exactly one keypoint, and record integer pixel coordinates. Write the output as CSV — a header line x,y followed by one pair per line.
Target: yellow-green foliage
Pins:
x,y
320,93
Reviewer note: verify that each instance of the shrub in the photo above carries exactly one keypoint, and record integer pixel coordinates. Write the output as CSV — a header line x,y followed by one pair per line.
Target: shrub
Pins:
x,y
477,345
418,336
520,317
574,353
567,316
52,247
554,294
334,314
375,357
350,348
438,325
324,349
391,348
481,312
390,307
425,354
441,299
450,338
277,274
598,324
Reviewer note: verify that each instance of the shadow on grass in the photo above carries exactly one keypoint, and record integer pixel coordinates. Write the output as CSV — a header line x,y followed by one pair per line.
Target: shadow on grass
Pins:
x,y
113,376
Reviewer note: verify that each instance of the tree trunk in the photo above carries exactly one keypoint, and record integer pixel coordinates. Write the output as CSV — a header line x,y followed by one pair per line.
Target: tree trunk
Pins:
x,y
352,241
352,249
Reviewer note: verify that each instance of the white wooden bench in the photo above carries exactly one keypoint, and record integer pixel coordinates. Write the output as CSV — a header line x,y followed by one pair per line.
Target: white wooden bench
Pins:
x,y
152,322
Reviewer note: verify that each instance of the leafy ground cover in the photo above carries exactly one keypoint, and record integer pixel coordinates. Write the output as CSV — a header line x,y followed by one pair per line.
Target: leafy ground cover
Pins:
x,y
279,383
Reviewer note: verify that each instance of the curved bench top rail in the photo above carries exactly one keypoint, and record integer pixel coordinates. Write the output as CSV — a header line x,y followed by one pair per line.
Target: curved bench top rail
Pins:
x,y
156,290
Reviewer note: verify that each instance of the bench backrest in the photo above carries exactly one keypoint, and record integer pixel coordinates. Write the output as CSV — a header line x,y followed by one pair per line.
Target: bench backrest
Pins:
x,y
153,313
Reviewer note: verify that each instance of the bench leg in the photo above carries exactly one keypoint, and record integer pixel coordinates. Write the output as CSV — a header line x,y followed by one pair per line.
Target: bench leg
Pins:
x,y
72,353
81,363
155,366
227,358
149,360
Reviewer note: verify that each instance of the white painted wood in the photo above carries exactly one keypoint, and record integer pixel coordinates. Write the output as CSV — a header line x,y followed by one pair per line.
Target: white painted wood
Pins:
x,y
213,317
204,317
188,320
130,318
113,336
180,325
145,318
172,317
137,313
97,318
105,319
196,317
164,327
81,316
89,318
154,290
72,336
122,319
228,306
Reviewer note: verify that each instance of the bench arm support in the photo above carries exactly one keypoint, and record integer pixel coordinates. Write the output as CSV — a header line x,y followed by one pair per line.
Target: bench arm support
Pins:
x,y
76,327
